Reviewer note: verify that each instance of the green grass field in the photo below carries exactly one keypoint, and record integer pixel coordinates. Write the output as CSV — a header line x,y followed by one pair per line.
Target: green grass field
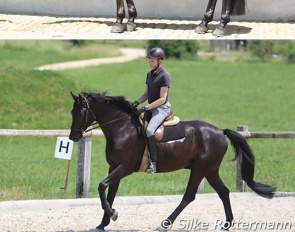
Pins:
x,y
224,93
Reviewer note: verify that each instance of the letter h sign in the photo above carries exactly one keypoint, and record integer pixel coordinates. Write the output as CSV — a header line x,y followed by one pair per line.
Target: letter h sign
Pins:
x,y
64,148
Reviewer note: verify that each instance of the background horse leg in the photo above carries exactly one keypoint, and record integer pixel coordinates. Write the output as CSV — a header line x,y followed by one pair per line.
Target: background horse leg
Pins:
x,y
223,192
118,27
110,198
132,14
225,18
208,17
112,179
188,197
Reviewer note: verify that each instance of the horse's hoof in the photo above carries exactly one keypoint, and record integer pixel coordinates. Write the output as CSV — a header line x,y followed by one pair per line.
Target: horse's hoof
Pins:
x,y
131,26
201,29
114,217
100,228
219,32
117,28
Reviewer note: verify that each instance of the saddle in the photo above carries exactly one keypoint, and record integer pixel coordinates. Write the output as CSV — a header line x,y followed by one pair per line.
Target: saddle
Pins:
x,y
170,129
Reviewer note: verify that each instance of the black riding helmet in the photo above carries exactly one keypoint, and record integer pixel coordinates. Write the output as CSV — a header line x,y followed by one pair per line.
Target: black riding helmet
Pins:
x,y
156,53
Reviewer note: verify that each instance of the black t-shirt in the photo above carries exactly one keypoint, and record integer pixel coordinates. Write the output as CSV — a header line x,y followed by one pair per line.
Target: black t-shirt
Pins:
x,y
156,80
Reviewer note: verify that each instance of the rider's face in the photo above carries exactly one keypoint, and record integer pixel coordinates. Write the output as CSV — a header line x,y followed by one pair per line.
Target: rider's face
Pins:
x,y
154,63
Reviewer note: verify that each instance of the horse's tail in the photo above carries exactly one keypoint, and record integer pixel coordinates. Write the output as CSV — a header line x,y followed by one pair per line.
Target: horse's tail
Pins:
x,y
238,7
242,148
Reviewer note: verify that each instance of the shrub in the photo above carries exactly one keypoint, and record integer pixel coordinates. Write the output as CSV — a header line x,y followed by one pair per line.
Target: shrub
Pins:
x,y
289,51
179,49
262,49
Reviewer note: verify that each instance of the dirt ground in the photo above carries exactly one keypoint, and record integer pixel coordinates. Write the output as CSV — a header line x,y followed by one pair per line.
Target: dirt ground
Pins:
x,y
251,213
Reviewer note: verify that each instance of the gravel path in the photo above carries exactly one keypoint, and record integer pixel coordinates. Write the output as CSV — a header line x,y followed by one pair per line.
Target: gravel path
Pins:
x,y
128,54
251,212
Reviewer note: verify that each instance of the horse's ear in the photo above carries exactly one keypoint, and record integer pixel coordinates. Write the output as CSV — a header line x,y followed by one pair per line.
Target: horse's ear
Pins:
x,y
74,96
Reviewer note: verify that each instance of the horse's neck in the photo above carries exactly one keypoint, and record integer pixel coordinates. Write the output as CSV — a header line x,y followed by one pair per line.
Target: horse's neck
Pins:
x,y
110,116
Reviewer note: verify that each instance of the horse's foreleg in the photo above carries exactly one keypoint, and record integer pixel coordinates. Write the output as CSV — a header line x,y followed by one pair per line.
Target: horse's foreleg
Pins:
x,y
189,196
112,181
208,17
225,18
132,15
118,27
110,198
223,192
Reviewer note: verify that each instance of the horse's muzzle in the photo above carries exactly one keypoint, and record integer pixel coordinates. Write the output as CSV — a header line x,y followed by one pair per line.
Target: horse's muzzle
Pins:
x,y
75,136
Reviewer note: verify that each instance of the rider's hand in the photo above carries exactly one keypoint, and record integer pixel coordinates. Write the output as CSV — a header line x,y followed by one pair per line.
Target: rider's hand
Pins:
x,y
135,104
141,110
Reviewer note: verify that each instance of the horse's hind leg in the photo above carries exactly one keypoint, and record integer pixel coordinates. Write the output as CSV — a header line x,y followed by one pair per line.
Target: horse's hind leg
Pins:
x,y
118,27
223,192
189,196
132,15
208,17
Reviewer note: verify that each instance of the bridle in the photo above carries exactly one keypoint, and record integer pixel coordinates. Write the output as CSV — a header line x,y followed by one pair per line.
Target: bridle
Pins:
x,y
88,109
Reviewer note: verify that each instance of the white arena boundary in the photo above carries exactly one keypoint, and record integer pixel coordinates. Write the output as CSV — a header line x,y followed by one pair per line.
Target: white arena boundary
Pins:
x,y
257,10
124,200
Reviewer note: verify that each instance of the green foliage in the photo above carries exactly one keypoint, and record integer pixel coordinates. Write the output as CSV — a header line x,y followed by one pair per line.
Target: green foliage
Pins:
x,y
81,43
179,49
288,50
262,49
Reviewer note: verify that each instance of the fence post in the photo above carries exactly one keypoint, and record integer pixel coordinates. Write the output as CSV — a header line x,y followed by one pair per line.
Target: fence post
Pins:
x,y
240,184
83,167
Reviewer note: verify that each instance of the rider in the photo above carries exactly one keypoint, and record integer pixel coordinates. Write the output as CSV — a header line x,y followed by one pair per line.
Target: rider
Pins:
x,y
156,92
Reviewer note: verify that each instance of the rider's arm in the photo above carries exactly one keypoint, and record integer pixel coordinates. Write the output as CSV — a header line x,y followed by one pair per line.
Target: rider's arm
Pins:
x,y
163,96
144,96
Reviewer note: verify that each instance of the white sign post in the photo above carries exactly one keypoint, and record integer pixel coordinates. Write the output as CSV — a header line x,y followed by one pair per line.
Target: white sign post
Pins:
x,y
63,150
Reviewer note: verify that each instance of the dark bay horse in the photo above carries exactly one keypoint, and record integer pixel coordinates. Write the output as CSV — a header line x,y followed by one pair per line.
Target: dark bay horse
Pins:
x,y
201,151
229,7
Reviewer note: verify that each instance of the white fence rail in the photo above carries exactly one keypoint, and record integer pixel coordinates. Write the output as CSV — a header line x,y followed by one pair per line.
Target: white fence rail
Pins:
x,y
44,133
84,151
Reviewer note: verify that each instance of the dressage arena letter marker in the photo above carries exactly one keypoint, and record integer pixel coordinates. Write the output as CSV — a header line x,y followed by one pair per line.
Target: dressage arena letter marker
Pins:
x,y
64,148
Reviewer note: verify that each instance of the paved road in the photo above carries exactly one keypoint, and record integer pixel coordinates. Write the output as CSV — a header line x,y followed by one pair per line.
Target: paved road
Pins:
x,y
13,26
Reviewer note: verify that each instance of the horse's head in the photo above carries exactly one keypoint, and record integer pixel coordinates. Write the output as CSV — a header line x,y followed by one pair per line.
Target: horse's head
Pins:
x,y
81,117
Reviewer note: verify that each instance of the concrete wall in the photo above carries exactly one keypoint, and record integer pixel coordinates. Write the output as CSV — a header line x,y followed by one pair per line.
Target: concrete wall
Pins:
x,y
258,10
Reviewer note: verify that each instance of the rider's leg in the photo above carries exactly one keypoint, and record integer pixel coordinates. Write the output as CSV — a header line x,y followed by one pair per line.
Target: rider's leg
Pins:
x,y
153,151
158,116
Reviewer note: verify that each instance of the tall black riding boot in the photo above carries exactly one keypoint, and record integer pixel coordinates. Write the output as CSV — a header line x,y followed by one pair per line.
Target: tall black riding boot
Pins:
x,y
153,150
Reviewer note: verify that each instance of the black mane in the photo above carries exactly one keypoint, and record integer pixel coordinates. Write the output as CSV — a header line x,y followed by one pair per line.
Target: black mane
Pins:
x,y
120,101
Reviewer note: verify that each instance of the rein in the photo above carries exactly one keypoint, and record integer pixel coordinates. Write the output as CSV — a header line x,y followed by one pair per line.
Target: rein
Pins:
x,y
109,122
